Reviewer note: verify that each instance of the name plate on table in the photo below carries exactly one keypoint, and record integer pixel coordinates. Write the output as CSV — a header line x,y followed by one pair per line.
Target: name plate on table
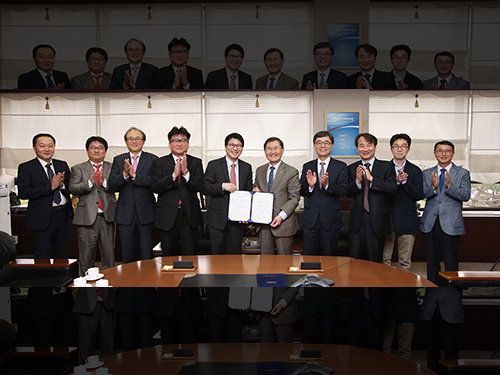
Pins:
x,y
271,279
183,353
178,264
250,206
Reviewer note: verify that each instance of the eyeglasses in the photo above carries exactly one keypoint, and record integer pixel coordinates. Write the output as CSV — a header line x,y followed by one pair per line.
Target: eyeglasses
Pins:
x,y
100,59
135,50
400,58
181,140
325,143
235,57
179,51
399,147
323,54
271,149
137,139
98,148
441,62
276,59
440,152
233,145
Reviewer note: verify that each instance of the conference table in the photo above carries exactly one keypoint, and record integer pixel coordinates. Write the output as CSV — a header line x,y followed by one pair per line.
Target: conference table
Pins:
x,y
241,271
248,358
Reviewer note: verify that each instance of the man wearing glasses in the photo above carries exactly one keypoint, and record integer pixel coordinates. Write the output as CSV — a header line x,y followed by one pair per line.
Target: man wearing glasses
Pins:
x,y
95,212
177,75
136,74
223,177
230,77
324,77
131,177
96,77
446,186
276,79
322,183
177,178
444,63
400,58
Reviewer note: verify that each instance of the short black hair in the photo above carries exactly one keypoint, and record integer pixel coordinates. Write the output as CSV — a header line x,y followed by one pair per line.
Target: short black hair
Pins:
x,y
323,45
134,128
36,48
39,135
235,136
399,47
96,138
99,50
445,53
272,139
368,48
176,131
446,143
404,136
237,47
369,137
323,133
134,40
178,42
271,50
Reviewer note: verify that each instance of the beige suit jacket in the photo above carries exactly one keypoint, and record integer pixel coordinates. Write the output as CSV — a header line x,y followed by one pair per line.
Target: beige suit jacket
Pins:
x,y
84,81
286,189
285,82
86,210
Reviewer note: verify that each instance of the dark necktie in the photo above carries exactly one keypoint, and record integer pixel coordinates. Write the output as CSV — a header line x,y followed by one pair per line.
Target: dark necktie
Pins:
x,y
271,180
322,81
271,84
443,84
321,173
97,168
180,83
366,205
50,83
441,179
55,193
367,76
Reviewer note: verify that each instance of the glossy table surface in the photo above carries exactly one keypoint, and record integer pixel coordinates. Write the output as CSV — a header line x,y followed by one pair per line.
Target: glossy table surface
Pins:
x,y
345,271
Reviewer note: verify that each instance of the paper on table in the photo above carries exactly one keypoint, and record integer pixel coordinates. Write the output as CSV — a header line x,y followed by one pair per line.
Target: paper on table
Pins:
x,y
239,205
262,299
239,298
262,208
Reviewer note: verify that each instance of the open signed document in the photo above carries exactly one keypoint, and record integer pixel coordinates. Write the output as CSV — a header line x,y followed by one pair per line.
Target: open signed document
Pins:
x,y
254,207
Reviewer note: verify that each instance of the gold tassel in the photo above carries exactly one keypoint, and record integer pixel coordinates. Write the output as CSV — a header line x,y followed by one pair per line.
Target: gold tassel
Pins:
x,y
257,12
149,13
47,106
416,12
149,102
47,18
416,101
257,101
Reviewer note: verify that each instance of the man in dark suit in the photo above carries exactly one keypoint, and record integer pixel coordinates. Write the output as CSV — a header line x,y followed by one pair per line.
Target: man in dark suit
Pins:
x,y
230,77
372,183
400,58
131,177
136,74
96,77
276,79
95,316
177,178
225,323
178,310
223,177
324,77
177,75
45,182
95,212
322,183
369,77
444,63
43,77
321,315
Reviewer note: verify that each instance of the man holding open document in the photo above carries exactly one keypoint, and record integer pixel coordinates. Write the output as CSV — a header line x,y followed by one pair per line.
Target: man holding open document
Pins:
x,y
282,180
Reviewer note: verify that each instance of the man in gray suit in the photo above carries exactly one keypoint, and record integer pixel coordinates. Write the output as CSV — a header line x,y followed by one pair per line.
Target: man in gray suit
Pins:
x,y
95,315
444,63
95,212
282,180
96,77
276,79
446,186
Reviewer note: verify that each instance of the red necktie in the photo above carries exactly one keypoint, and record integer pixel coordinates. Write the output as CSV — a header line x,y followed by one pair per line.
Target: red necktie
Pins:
x,y
134,75
366,205
97,167
97,82
233,82
179,179
233,174
180,83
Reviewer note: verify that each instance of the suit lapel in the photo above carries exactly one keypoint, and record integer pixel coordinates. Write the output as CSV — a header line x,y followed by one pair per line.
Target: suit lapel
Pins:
x,y
225,82
40,169
280,82
224,169
241,175
88,169
41,81
89,80
142,162
278,175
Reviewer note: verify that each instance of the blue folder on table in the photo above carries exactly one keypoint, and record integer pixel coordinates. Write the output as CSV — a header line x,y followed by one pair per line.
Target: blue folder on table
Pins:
x,y
271,280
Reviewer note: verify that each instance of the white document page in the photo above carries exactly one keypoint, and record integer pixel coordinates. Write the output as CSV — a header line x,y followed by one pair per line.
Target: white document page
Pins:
x,y
239,298
262,208
262,299
239,205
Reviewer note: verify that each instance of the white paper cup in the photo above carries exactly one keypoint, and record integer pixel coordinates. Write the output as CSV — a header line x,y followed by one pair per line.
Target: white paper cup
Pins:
x,y
79,281
102,283
102,371
80,370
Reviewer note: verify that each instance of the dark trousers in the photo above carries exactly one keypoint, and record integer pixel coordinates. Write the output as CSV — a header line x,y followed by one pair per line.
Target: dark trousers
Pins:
x,y
231,235
181,327
56,235
53,329
181,235
364,244
364,331
227,328
127,238
319,328
131,322
317,235
436,243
